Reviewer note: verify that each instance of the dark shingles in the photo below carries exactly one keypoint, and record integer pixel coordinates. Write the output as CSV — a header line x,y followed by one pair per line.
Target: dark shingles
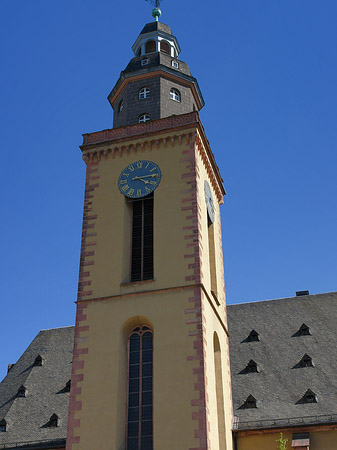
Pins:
x,y
281,384
27,417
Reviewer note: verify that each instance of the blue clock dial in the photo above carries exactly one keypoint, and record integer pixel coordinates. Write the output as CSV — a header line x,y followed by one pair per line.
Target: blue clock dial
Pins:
x,y
139,179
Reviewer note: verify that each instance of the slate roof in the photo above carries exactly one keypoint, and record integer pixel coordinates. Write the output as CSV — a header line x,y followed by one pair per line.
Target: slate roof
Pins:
x,y
281,383
27,418
278,386
156,26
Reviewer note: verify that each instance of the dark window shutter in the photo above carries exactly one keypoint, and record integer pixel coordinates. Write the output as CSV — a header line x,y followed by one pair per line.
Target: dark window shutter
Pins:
x,y
142,239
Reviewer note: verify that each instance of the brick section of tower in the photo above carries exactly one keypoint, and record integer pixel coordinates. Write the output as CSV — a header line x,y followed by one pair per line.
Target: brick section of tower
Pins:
x,y
77,375
88,231
197,322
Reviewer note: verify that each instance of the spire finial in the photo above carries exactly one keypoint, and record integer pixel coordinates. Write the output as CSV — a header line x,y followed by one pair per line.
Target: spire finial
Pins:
x,y
156,12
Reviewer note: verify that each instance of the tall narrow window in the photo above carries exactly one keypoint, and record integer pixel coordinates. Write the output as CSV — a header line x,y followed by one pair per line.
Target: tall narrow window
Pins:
x,y
220,401
142,239
139,423
212,258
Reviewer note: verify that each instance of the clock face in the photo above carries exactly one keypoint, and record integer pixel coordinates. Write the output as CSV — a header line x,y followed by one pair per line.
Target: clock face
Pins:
x,y
209,202
139,179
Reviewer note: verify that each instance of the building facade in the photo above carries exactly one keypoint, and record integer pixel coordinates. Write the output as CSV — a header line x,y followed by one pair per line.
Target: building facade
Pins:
x,y
151,339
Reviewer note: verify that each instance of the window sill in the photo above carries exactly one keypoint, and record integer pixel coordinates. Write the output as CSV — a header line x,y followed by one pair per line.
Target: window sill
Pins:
x,y
131,283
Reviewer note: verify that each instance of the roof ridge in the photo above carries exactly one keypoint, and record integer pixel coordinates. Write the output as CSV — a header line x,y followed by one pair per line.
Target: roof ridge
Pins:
x,y
282,298
56,328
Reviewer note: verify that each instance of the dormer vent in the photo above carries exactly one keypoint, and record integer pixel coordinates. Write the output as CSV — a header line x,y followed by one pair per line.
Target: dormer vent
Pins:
x,y
253,336
250,402
22,391
309,397
3,425
54,421
300,293
252,367
38,361
306,361
304,330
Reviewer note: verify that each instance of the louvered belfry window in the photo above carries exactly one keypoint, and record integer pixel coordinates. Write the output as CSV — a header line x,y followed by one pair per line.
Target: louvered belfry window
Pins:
x,y
139,422
142,239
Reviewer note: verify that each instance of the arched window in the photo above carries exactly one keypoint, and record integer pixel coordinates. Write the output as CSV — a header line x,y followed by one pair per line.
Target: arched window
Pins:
x,y
139,52
175,95
139,421
143,118
144,93
150,46
220,401
165,47
121,106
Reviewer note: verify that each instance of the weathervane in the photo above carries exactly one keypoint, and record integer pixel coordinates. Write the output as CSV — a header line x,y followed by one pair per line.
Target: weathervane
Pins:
x,y
156,12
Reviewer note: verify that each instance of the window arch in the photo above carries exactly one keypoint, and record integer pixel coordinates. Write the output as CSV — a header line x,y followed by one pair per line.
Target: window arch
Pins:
x,y
140,368
175,95
150,46
219,392
144,93
165,47
143,118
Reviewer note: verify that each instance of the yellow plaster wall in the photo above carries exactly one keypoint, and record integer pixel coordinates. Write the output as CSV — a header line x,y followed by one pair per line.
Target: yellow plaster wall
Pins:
x,y
103,414
319,440
211,320
212,325
112,251
203,175
103,397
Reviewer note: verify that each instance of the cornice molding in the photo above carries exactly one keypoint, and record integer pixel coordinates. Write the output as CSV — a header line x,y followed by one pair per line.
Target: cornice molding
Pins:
x,y
115,142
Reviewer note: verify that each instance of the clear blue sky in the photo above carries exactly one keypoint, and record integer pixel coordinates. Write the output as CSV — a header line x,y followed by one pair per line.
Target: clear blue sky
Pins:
x,y
267,70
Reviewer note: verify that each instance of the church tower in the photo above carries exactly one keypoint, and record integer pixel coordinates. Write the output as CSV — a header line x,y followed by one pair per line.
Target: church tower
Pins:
x,y
151,359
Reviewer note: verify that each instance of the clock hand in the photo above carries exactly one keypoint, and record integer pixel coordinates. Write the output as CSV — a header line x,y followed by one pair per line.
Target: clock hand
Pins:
x,y
141,179
153,175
